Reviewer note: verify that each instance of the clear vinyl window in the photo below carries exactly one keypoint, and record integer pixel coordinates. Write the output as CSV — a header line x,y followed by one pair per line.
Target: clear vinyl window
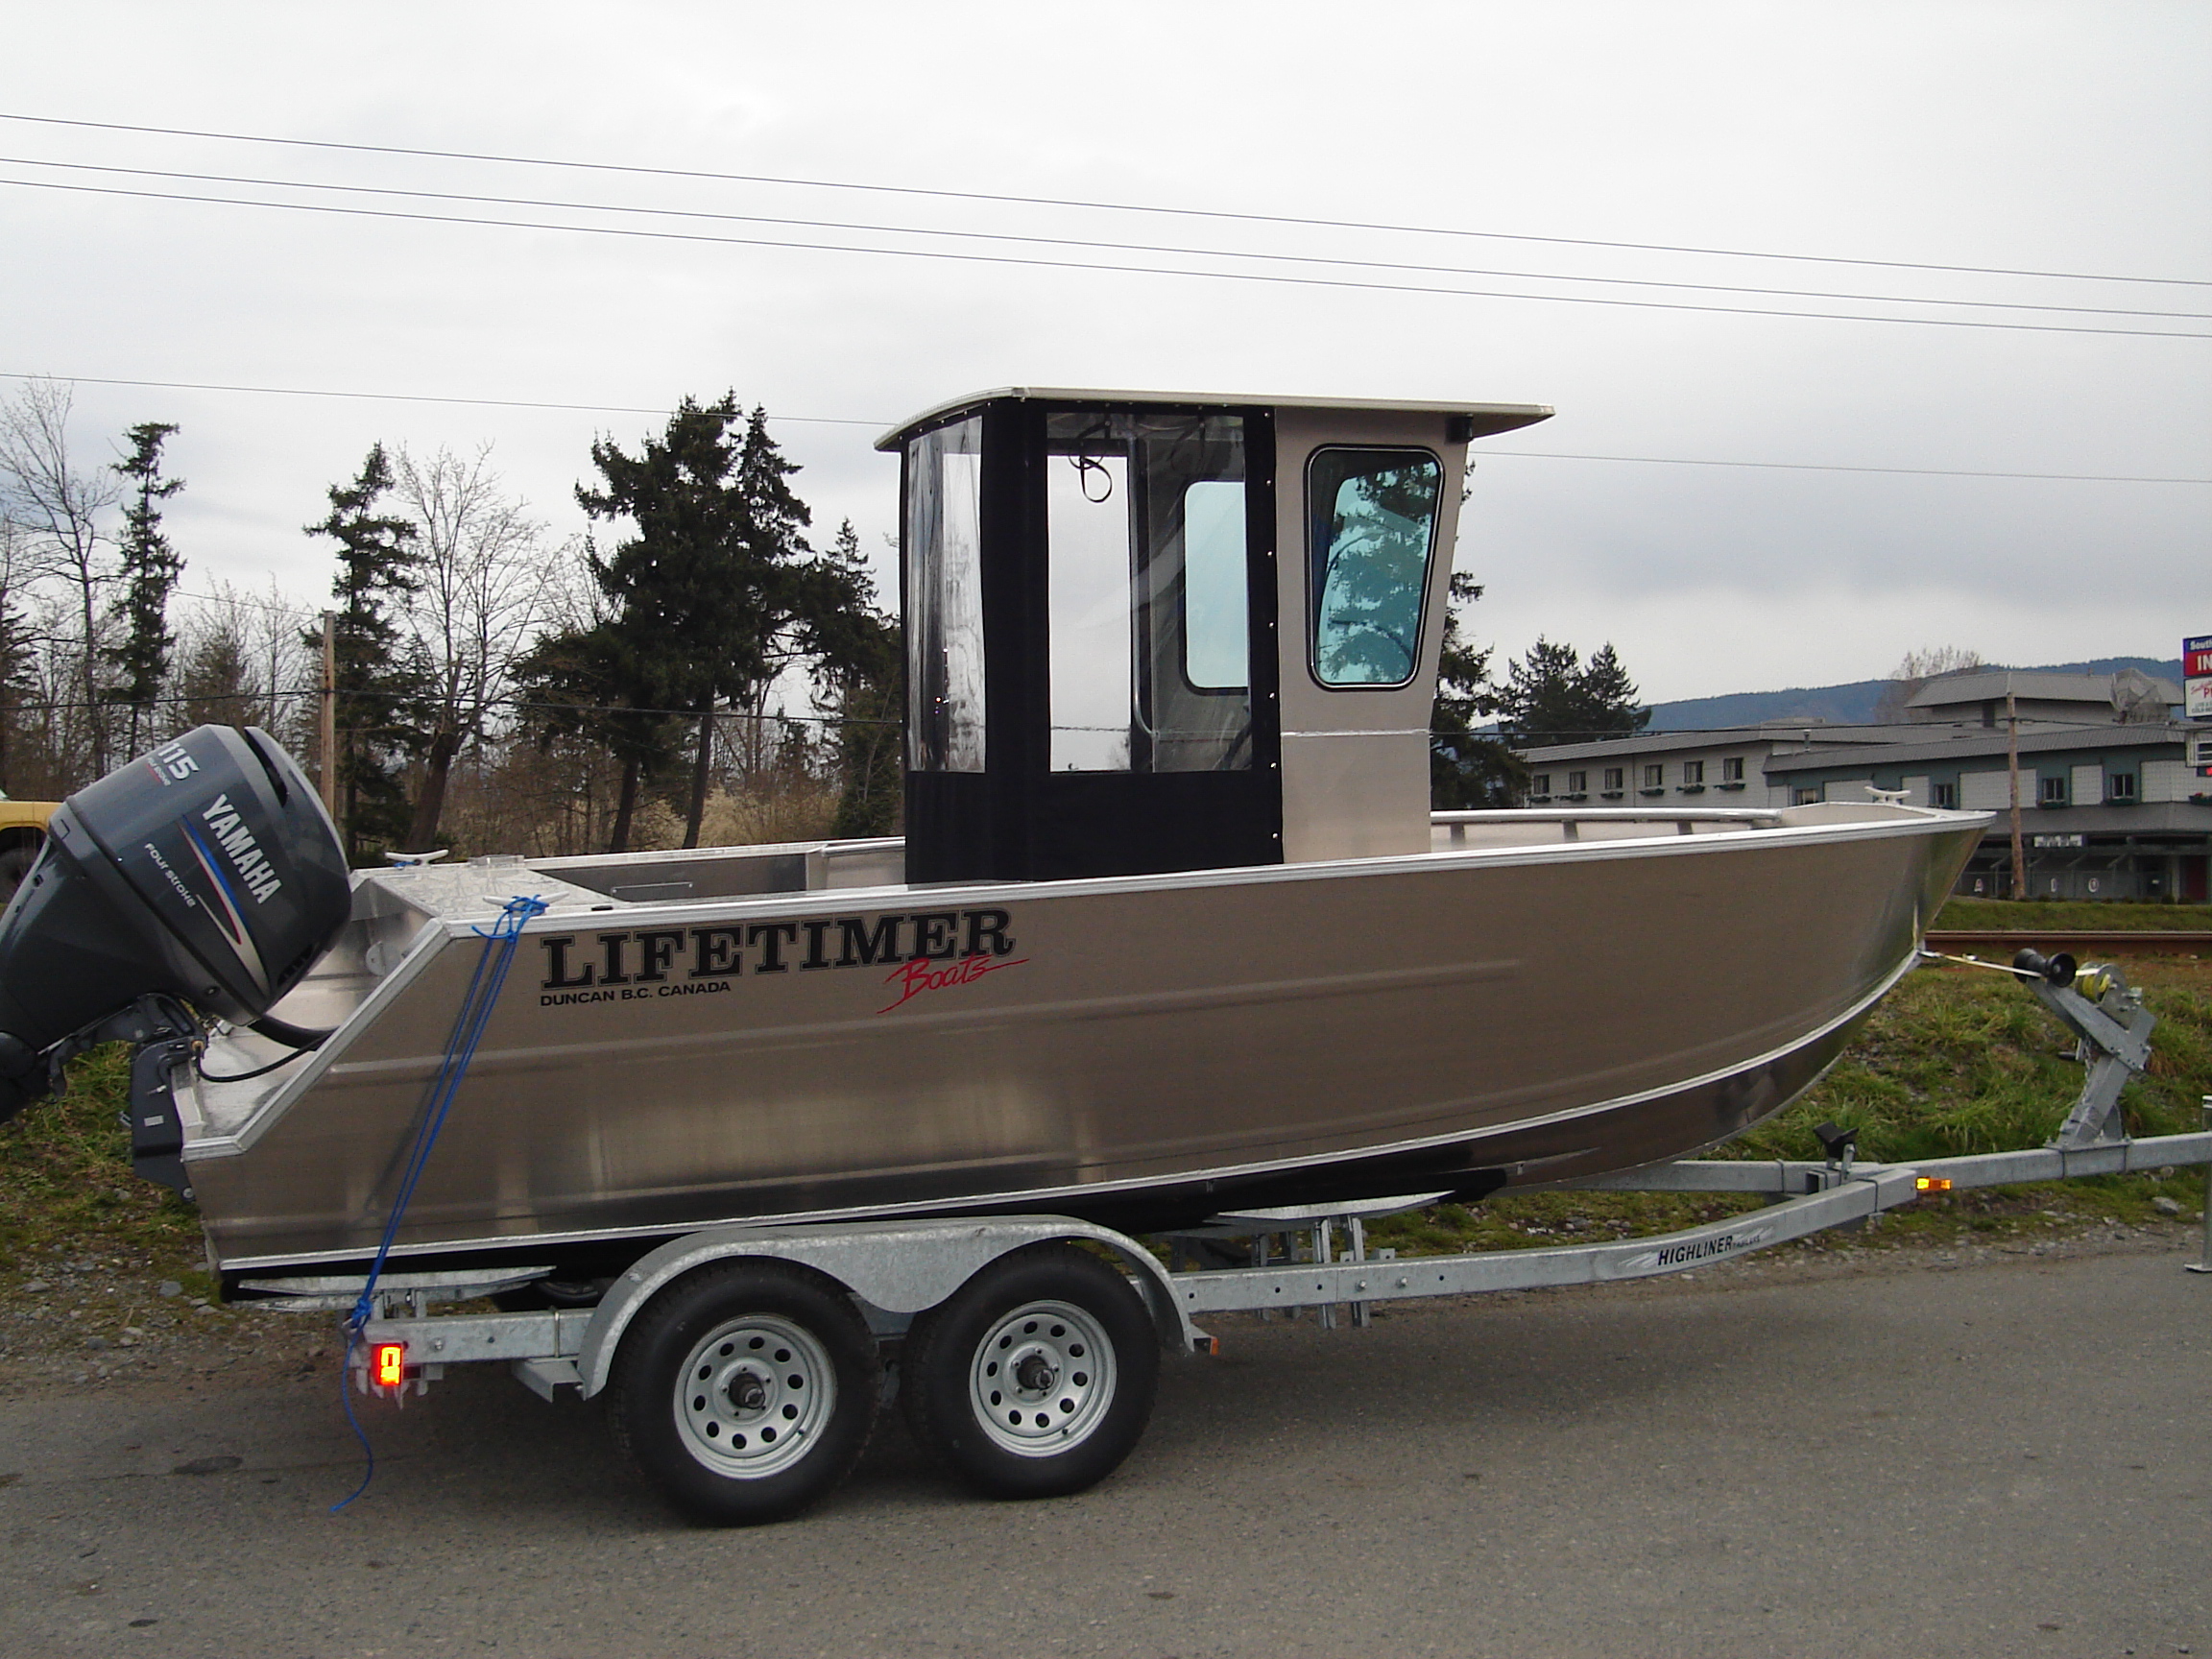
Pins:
x,y
1149,654
1372,517
943,534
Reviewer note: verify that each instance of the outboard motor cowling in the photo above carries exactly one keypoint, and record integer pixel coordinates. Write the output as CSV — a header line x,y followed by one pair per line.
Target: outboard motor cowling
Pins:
x,y
205,874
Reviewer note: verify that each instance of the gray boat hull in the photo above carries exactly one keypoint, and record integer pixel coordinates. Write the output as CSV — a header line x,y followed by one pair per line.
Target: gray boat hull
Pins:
x,y
1534,1009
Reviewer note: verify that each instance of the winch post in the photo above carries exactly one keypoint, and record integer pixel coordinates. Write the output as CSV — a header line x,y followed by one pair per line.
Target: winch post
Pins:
x,y
2114,1031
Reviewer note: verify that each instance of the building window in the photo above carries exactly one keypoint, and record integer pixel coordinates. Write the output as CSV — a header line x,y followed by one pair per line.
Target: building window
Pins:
x,y
1613,780
1654,777
1732,769
1692,772
1577,782
2119,787
1945,796
1808,797
2051,791
1540,785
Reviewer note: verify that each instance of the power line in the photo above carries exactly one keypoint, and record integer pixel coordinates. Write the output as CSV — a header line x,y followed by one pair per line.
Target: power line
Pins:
x,y
411,398
1096,205
1308,260
1821,467
880,425
1123,270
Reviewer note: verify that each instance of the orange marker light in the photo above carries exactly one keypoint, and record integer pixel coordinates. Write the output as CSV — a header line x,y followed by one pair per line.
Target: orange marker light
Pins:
x,y
1934,1183
391,1364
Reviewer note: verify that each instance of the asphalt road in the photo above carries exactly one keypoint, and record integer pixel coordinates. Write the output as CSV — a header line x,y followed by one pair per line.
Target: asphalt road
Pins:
x,y
1909,1457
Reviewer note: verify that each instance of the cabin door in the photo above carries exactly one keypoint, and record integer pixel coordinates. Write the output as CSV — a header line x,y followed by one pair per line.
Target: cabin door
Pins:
x,y
1158,749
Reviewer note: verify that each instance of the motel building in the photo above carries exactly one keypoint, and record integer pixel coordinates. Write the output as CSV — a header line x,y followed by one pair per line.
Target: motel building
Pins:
x,y
2110,807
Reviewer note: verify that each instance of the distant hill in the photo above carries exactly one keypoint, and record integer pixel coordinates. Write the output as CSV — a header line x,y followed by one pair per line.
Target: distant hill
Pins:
x,y
1851,704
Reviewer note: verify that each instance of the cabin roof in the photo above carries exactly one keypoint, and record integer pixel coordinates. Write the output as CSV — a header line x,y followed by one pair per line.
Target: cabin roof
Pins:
x,y
1490,419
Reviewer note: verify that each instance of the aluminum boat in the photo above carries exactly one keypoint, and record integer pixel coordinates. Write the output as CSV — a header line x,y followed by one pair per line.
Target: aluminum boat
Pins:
x,y
1173,931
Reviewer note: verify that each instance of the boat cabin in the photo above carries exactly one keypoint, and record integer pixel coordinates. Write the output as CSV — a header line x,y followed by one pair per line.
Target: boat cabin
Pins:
x,y
1149,632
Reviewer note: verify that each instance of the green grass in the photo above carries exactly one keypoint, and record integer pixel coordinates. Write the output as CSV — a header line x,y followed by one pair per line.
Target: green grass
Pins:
x,y
66,1187
2032,914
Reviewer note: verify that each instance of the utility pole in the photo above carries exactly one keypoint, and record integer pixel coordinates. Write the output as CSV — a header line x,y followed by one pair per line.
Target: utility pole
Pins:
x,y
2012,771
329,747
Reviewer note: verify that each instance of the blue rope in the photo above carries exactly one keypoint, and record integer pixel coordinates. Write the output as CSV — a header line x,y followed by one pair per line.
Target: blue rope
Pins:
x,y
469,1027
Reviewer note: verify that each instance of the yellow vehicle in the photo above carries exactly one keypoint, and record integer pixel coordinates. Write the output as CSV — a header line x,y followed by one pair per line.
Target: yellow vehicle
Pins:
x,y
22,833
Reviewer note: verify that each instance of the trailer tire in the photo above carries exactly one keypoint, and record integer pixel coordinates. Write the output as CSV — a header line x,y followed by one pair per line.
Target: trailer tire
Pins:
x,y
745,1391
1036,1377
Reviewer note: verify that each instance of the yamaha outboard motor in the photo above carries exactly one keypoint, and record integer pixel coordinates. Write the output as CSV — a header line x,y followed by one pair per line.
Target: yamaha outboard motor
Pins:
x,y
204,877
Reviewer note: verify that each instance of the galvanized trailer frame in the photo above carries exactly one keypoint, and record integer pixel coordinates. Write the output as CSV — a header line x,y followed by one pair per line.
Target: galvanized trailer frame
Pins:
x,y
898,1269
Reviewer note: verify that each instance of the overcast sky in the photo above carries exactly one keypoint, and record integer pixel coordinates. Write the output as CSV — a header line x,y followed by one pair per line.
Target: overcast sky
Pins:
x,y
2040,138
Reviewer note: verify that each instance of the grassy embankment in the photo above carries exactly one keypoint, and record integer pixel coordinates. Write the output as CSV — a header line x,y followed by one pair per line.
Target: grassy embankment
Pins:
x,y
67,1189
1954,1061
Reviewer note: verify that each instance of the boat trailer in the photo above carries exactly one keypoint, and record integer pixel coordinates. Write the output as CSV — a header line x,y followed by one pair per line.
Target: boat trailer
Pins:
x,y
940,1298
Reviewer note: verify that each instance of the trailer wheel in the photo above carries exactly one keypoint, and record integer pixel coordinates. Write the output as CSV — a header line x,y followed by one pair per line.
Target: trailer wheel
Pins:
x,y
1036,1377
745,1391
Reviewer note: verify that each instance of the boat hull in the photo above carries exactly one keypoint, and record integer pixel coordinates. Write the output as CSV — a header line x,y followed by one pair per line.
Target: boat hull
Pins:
x,y
1140,1050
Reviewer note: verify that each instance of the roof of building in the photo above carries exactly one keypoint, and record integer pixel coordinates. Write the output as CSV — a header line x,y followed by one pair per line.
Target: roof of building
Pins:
x,y
1490,418
1987,684
1912,744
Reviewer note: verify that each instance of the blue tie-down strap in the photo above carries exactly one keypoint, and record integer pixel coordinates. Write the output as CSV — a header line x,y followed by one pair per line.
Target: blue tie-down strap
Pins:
x,y
499,942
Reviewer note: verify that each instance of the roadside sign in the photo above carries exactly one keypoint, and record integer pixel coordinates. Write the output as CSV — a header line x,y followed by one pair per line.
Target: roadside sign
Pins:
x,y
2196,677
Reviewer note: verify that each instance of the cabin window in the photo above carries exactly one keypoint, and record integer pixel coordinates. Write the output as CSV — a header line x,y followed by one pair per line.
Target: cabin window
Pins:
x,y
1149,654
1216,632
945,598
1373,527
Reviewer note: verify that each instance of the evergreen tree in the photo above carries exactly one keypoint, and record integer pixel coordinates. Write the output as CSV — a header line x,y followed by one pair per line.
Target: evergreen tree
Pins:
x,y
151,567
1549,696
864,692
379,686
715,594
1467,769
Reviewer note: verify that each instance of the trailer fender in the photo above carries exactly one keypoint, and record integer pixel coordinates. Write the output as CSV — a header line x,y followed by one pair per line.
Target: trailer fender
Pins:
x,y
901,1267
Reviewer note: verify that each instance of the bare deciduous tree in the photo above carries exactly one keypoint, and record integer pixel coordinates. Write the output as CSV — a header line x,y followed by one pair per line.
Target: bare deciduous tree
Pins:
x,y
486,586
61,507
1927,662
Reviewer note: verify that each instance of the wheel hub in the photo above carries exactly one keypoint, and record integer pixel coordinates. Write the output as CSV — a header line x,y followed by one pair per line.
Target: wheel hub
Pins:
x,y
754,1394
1035,1374
1042,1379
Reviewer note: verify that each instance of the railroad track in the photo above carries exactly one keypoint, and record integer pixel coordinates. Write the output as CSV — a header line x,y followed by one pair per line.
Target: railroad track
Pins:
x,y
2077,942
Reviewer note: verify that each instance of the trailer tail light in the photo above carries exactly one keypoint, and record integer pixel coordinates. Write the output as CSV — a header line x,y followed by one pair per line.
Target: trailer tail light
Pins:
x,y
391,1364
1934,1183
